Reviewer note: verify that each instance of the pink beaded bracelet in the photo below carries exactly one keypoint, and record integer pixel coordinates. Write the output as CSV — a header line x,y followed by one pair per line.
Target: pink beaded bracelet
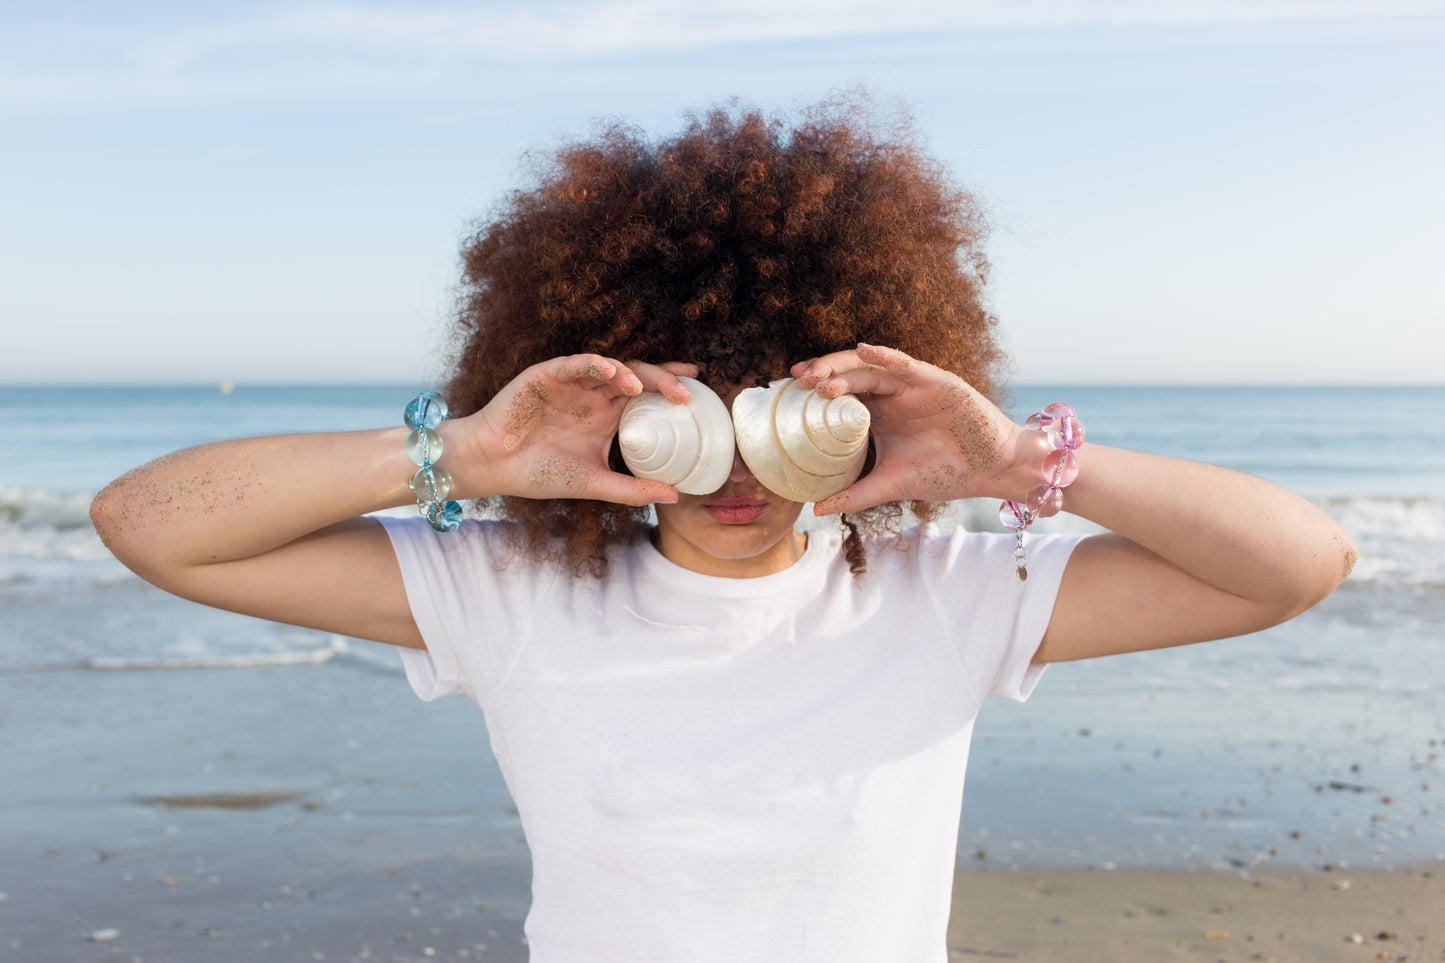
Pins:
x,y
1065,434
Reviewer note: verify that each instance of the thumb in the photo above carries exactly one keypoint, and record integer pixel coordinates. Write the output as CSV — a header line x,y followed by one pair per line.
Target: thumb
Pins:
x,y
627,490
872,489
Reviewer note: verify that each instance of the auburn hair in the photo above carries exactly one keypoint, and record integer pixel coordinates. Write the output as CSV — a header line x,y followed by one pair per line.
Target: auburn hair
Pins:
x,y
743,244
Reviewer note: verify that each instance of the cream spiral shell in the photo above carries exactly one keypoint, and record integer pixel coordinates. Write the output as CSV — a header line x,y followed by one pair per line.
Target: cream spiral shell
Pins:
x,y
687,446
799,444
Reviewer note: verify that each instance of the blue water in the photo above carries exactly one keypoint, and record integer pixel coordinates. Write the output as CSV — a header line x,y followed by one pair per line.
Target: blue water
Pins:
x,y
77,438
1339,442
1322,441
1365,666
1372,457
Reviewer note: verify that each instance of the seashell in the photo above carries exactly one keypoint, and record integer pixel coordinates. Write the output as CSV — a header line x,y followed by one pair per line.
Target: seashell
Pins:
x,y
687,446
799,444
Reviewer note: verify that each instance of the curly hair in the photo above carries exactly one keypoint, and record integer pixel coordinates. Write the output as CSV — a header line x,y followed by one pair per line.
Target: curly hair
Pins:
x,y
743,244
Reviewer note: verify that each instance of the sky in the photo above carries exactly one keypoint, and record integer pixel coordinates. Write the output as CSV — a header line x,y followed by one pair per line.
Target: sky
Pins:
x,y
1180,191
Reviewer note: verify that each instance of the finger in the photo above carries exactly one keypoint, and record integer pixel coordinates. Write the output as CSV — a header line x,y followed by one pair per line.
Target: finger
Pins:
x,y
872,489
889,359
815,372
627,490
860,381
881,371
801,368
664,379
812,372
599,370
564,475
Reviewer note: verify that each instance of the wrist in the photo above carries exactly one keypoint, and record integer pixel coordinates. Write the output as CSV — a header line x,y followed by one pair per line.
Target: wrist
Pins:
x,y
1018,469
433,485
1063,435
467,458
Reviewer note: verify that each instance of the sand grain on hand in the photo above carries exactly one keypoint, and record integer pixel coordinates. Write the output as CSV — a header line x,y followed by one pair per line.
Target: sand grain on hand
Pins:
x,y
976,435
523,412
558,472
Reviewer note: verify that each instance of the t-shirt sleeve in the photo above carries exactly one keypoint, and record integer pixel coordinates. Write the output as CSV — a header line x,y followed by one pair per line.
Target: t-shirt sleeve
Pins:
x,y
472,614
1001,619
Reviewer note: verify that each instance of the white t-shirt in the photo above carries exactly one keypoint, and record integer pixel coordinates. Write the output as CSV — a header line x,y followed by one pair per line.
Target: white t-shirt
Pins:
x,y
732,770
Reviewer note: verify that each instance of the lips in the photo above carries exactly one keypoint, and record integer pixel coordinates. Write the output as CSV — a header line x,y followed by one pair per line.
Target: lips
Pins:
x,y
736,509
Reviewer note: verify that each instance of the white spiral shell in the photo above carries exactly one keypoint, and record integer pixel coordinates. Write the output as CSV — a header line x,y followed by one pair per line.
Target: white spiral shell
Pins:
x,y
687,446
799,444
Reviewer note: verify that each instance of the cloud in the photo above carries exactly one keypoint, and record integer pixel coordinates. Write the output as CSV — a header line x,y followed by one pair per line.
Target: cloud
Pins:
x,y
556,30
349,48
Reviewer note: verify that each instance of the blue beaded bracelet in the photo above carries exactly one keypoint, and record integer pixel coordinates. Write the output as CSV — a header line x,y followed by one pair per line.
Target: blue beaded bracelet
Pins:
x,y
433,483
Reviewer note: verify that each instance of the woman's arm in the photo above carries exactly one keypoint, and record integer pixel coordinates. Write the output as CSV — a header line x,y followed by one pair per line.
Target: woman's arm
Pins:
x,y
1198,552
1195,552
271,526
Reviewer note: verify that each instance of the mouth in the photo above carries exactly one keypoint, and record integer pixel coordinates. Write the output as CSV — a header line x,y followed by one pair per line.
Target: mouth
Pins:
x,y
736,509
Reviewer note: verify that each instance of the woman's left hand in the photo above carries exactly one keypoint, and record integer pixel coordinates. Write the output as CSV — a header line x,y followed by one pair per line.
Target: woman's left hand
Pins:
x,y
935,438
1191,551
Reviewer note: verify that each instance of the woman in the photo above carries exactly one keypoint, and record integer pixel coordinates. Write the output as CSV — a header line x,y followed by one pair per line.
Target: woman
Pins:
x,y
728,738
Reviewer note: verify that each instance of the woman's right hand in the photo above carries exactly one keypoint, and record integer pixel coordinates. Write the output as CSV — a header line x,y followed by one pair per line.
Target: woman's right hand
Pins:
x,y
272,526
547,434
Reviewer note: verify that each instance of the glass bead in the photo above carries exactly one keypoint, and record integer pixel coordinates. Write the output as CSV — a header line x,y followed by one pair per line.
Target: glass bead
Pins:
x,y
1056,411
426,410
1066,432
1013,516
1036,497
445,517
1046,502
424,447
432,484
1034,421
1060,468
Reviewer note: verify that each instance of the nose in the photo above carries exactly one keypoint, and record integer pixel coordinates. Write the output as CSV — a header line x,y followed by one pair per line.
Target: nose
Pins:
x,y
740,470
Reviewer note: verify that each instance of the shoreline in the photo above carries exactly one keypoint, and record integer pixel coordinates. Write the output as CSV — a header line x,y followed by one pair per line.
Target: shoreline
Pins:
x,y
275,813
451,909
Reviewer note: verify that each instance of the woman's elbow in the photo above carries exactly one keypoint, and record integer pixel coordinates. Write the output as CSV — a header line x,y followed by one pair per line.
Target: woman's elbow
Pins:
x,y
105,514
1341,556
114,517
1329,565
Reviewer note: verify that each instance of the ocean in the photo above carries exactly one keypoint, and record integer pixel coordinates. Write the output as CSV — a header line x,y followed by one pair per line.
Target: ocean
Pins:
x,y
1367,664
1374,458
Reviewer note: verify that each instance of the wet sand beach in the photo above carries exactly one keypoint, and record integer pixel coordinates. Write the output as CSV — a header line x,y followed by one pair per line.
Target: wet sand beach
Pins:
x,y
321,812
1279,913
